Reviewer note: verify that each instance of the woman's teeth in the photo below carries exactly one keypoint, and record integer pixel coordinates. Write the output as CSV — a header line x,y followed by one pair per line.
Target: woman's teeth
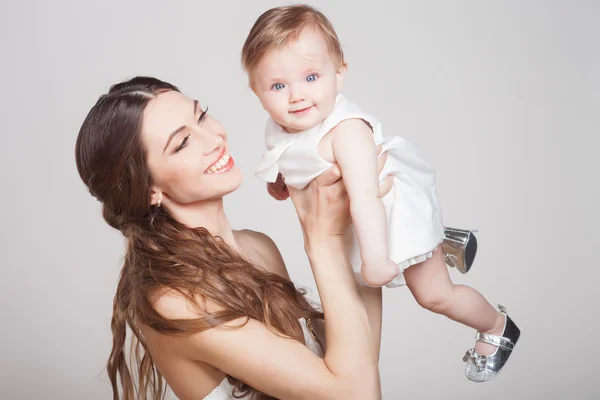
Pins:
x,y
219,164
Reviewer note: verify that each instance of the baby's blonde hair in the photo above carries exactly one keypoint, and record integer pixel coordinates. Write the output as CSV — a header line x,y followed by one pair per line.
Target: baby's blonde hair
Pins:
x,y
279,26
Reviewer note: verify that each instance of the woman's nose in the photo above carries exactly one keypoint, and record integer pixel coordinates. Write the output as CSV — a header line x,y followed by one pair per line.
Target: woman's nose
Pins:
x,y
212,141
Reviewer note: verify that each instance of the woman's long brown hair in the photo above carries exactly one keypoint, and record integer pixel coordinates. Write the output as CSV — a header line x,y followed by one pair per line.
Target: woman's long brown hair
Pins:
x,y
163,253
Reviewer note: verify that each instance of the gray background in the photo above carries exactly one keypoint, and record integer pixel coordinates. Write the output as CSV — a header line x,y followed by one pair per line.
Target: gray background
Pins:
x,y
500,97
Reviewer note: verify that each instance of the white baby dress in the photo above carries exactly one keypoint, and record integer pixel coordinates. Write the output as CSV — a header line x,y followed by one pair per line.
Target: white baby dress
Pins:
x,y
414,217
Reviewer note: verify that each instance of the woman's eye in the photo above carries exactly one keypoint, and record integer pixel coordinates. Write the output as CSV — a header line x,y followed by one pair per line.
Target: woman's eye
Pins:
x,y
202,115
311,78
278,86
184,142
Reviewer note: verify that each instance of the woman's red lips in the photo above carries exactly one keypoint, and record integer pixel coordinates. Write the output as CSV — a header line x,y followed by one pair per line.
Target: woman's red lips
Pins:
x,y
216,159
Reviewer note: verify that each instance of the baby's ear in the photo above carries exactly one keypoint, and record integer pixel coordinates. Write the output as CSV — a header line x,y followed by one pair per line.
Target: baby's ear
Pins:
x,y
251,83
339,76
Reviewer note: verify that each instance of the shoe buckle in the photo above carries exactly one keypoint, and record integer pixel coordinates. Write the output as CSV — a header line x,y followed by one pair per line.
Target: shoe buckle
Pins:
x,y
479,360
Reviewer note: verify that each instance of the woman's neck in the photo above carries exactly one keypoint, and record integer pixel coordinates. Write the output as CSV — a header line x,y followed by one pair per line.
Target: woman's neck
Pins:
x,y
208,214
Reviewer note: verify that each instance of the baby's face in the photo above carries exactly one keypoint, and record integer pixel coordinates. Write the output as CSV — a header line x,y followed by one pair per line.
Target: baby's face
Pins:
x,y
298,83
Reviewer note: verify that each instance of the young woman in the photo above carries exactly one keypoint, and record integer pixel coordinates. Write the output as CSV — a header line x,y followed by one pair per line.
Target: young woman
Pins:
x,y
213,309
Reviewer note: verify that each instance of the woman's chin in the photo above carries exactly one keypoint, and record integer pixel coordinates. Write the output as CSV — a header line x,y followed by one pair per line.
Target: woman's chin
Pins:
x,y
227,182
236,179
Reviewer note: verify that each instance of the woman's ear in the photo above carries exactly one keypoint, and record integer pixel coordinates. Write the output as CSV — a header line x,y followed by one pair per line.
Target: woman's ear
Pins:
x,y
156,197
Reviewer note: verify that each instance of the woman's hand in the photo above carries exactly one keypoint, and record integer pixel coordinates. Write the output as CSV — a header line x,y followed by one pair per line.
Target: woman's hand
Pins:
x,y
323,205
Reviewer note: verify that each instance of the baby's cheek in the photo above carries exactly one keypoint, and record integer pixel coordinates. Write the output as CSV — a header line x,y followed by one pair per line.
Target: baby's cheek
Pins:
x,y
279,115
274,110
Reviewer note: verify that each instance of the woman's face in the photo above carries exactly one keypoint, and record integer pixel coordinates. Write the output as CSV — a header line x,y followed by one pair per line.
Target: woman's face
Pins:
x,y
187,152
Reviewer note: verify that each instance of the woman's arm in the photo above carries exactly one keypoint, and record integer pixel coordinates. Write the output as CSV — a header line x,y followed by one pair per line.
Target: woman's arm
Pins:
x,y
285,368
346,322
372,297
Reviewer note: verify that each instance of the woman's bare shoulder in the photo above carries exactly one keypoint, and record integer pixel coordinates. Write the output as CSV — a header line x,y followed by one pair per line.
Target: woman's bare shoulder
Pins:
x,y
258,247
262,251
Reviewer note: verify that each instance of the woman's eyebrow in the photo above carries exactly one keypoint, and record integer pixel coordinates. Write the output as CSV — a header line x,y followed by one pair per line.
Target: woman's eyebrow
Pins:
x,y
182,127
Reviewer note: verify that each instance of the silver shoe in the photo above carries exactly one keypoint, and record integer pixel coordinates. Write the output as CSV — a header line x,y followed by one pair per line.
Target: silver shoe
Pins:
x,y
459,247
482,368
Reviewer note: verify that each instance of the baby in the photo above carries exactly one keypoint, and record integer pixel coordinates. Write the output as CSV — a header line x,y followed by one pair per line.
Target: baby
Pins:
x,y
296,68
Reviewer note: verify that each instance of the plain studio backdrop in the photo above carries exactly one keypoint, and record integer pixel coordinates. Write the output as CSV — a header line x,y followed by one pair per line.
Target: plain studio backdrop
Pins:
x,y
501,97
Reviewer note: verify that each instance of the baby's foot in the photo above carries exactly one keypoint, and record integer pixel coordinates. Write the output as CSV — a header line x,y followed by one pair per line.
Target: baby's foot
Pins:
x,y
485,363
487,349
381,273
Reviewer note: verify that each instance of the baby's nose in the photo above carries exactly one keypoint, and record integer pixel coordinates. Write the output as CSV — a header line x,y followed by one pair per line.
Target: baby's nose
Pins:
x,y
296,96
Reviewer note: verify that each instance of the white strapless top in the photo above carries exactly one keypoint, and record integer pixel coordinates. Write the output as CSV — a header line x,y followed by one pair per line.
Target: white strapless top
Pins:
x,y
224,390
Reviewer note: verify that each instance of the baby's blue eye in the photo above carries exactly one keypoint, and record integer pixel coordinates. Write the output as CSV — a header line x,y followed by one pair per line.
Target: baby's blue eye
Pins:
x,y
278,86
311,78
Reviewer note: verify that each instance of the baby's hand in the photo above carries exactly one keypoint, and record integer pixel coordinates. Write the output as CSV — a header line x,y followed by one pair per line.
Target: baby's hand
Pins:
x,y
278,190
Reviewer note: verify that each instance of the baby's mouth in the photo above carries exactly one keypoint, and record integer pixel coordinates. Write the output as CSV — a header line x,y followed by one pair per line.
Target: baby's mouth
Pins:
x,y
302,110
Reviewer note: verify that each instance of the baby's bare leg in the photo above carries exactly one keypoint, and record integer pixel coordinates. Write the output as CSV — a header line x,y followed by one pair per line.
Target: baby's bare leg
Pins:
x,y
430,284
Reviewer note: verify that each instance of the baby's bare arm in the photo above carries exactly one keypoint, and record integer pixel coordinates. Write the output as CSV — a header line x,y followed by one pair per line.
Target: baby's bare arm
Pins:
x,y
354,151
